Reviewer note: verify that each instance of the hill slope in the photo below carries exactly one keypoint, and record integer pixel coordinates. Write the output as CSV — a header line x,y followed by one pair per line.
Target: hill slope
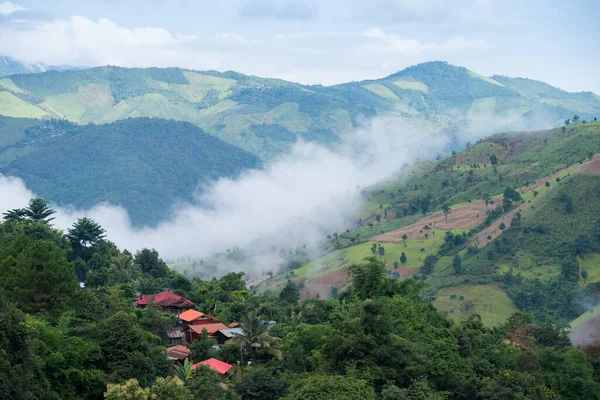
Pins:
x,y
141,164
264,116
520,234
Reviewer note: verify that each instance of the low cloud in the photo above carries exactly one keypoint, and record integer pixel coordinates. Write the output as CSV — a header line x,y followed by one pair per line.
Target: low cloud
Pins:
x,y
297,200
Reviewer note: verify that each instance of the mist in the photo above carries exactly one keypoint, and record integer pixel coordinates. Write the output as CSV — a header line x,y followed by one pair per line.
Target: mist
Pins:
x,y
298,199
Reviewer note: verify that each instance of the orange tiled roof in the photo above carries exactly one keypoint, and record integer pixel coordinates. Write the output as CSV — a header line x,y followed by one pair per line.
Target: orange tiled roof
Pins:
x,y
210,328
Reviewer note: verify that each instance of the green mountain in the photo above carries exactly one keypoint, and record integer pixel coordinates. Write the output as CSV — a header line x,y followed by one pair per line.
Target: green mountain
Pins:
x,y
144,165
265,116
509,224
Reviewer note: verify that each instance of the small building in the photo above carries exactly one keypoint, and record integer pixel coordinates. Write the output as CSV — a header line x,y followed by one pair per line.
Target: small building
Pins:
x,y
224,335
216,365
193,317
194,332
178,353
175,336
166,302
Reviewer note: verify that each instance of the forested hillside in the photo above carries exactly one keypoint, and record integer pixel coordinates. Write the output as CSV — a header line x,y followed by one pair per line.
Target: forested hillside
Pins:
x,y
265,116
509,224
377,340
144,165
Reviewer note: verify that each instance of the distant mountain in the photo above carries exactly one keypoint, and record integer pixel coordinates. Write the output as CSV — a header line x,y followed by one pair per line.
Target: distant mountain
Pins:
x,y
142,164
265,116
10,66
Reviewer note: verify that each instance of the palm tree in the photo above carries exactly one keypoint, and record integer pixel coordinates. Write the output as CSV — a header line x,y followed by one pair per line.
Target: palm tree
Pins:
x,y
122,269
184,371
255,336
15,215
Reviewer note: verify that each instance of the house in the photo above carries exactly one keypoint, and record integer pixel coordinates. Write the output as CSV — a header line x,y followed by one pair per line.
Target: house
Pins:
x,y
224,335
193,317
178,353
175,336
165,301
194,332
216,365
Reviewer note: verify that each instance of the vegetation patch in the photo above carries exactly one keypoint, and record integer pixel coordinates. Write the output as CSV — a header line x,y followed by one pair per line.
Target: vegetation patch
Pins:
x,y
412,85
489,301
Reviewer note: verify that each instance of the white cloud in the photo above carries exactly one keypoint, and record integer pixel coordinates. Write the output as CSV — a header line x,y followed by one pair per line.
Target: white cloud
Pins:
x,y
296,200
392,43
7,8
234,38
82,41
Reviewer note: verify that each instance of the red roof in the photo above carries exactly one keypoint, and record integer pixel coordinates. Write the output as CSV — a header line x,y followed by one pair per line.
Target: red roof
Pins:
x,y
164,299
214,364
192,315
179,352
210,328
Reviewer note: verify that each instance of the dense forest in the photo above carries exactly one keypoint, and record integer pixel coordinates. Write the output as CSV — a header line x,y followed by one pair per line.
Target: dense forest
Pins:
x,y
71,328
141,164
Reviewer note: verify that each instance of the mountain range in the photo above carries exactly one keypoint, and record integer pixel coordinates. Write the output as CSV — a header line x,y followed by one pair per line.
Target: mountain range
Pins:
x,y
265,116
129,129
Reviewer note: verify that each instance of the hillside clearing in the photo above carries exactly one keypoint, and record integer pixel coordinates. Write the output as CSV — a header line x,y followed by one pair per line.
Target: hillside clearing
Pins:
x,y
489,301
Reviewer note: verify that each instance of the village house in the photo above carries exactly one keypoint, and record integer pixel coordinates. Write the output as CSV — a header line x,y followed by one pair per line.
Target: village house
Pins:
x,y
194,332
224,335
216,365
166,302
178,353
175,336
193,317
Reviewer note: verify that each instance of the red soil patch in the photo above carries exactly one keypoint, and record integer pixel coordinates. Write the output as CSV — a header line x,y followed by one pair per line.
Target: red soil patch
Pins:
x,y
592,167
405,272
462,217
586,334
321,285
481,239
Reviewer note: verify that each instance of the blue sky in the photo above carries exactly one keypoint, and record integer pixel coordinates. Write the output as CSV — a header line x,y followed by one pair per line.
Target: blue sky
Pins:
x,y
312,41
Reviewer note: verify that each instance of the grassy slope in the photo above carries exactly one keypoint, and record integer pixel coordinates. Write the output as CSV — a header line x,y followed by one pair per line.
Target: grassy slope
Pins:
x,y
489,301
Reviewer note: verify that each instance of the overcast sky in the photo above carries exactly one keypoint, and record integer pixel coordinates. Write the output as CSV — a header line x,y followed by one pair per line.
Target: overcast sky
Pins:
x,y
313,41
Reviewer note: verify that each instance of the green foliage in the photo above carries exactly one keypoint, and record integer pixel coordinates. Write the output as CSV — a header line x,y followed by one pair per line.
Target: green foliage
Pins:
x,y
85,232
39,210
290,293
128,351
262,384
156,160
367,279
37,276
150,263
205,384
321,387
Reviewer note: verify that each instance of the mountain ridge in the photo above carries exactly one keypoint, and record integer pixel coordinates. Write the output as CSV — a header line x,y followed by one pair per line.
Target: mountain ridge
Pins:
x,y
240,108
